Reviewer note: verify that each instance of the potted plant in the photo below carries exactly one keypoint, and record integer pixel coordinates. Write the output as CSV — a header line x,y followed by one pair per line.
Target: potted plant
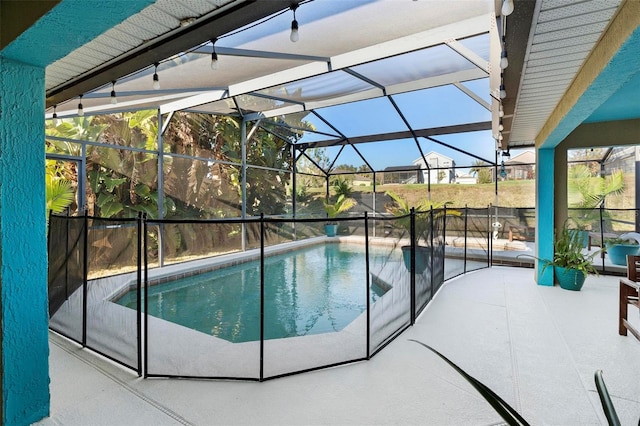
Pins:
x,y
618,248
402,209
570,264
341,205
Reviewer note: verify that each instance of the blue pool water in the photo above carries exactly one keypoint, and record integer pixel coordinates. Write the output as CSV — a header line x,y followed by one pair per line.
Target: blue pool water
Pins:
x,y
309,291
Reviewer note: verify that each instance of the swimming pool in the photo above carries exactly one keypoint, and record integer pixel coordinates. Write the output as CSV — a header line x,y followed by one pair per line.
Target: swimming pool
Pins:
x,y
312,290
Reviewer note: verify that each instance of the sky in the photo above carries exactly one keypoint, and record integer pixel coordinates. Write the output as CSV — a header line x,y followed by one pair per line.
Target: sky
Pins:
x,y
435,107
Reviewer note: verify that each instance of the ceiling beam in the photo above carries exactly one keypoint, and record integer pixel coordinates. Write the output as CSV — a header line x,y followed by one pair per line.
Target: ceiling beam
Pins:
x,y
172,43
468,28
373,92
406,134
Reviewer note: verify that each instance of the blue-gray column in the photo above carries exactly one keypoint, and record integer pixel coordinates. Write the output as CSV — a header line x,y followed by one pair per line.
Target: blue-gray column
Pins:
x,y
545,179
23,266
23,256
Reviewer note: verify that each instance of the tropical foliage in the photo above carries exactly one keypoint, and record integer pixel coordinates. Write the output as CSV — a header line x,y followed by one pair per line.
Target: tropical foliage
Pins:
x,y
402,209
482,171
341,205
59,193
568,253
202,165
508,413
342,186
587,191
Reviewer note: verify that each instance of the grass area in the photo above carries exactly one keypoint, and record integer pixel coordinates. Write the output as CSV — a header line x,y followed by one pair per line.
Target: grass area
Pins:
x,y
515,193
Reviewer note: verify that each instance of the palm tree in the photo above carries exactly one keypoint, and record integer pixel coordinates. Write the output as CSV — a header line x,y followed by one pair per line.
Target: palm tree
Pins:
x,y
482,171
402,209
587,192
341,205
59,193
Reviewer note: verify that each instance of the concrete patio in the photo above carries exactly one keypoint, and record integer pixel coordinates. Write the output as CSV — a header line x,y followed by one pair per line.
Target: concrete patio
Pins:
x,y
537,347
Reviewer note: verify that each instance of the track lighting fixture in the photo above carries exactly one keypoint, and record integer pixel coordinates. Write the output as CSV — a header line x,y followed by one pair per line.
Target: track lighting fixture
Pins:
x,y
504,62
507,7
114,100
295,36
55,117
80,108
214,55
156,79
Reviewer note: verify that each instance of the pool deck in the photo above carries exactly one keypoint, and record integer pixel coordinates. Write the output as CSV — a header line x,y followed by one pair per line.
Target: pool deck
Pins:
x,y
537,347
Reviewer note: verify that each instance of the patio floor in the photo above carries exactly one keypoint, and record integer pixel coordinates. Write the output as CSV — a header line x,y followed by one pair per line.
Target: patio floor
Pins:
x,y
537,347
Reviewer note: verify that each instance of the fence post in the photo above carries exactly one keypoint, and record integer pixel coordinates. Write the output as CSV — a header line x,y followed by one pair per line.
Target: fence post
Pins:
x,y
444,239
601,211
466,223
368,282
85,274
431,251
412,270
138,291
490,220
145,250
261,296
66,253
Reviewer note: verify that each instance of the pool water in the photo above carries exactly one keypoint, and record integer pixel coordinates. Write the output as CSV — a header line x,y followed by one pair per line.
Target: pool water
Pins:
x,y
313,290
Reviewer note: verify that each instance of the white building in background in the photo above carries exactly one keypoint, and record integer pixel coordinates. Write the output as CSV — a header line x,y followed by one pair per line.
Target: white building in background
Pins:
x,y
443,168
466,179
522,166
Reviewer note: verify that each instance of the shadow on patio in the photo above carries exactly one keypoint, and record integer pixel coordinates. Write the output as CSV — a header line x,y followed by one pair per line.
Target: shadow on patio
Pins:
x,y
537,347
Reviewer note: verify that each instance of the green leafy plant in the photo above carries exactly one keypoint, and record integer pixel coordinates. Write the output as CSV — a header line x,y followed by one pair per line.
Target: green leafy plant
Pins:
x,y
620,240
508,413
59,194
587,192
402,209
341,205
605,400
342,186
567,252
482,170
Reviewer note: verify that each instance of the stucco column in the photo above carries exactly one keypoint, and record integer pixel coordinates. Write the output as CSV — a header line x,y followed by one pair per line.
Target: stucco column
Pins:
x,y
545,206
39,40
23,254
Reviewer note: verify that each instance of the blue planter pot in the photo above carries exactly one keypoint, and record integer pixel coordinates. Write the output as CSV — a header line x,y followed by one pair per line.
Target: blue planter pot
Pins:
x,y
582,237
331,229
618,252
569,279
423,258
